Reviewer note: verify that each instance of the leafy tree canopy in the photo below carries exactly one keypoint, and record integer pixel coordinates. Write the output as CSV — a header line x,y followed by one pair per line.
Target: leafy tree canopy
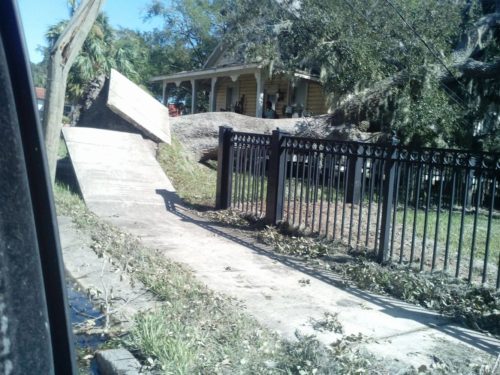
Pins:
x,y
401,64
191,30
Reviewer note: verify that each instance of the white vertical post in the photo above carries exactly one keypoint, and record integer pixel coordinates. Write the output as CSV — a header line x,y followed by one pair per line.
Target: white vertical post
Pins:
x,y
193,96
212,95
260,94
306,100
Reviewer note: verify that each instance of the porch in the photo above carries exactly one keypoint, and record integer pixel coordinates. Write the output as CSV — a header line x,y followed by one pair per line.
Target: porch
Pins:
x,y
246,88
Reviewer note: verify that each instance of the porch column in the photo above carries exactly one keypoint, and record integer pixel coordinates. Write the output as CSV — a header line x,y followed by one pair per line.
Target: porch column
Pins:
x,y
194,88
164,89
212,95
260,94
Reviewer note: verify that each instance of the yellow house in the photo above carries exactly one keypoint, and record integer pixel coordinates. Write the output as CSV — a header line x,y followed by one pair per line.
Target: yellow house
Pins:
x,y
247,88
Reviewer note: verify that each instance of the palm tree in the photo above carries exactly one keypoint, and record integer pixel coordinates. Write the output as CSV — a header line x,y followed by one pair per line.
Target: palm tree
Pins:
x,y
98,55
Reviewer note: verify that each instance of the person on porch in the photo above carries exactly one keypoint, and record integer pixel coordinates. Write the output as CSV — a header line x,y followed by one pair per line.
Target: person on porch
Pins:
x,y
269,112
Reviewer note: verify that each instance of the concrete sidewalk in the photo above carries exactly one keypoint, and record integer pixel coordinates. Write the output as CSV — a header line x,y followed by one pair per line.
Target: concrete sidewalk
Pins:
x,y
122,183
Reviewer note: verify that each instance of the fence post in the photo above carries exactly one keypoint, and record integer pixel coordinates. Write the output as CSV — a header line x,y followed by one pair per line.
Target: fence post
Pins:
x,y
224,168
355,170
275,179
388,200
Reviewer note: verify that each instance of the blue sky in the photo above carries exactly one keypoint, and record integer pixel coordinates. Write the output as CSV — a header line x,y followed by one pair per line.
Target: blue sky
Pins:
x,y
38,15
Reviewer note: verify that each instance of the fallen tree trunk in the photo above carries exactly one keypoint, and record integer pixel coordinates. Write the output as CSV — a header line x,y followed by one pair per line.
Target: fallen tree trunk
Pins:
x,y
199,133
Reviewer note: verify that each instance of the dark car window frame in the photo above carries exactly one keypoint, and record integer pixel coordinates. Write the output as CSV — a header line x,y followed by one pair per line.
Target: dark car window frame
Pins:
x,y
33,301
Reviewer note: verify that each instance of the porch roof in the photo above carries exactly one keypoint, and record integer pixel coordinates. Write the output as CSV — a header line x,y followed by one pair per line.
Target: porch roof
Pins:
x,y
222,71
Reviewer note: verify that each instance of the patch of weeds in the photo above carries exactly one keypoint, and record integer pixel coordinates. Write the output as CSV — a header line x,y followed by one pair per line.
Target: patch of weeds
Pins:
x,y
475,306
194,182
306,355
328,323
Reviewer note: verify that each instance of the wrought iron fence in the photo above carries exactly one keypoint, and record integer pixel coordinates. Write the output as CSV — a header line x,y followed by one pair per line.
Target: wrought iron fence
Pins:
x,y
433,209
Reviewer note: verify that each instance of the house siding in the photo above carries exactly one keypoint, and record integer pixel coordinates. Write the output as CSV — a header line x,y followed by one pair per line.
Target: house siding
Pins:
x,y
316,100
248,87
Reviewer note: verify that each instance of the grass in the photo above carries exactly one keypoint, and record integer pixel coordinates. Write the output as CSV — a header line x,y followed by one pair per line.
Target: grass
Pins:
x,y
320,206
195,183
196,330
481,230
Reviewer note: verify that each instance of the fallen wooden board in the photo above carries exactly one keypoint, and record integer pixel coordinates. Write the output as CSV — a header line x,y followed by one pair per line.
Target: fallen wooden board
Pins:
x,y
136,106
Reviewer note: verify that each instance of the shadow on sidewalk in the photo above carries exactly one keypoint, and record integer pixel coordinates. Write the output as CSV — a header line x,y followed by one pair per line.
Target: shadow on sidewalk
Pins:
x,y
390,306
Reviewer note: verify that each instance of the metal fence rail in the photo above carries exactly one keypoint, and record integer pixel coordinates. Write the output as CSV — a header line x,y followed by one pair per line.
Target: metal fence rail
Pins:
x,y
432,209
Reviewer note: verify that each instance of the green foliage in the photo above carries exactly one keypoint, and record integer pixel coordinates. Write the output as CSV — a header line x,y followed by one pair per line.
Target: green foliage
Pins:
x,y
191,30
39,73
364,44
356,55
329,323
353,45
430,119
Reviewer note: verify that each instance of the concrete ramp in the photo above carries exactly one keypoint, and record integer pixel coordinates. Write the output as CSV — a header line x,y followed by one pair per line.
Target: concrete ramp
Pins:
x,y
115,168
138,108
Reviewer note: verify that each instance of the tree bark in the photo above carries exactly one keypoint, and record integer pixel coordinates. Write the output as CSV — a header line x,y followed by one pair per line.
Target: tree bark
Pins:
x,y
62,56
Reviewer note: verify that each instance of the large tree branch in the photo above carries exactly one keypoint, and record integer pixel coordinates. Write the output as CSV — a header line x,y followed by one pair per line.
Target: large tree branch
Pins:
x,y
471,68
477,37
357,107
